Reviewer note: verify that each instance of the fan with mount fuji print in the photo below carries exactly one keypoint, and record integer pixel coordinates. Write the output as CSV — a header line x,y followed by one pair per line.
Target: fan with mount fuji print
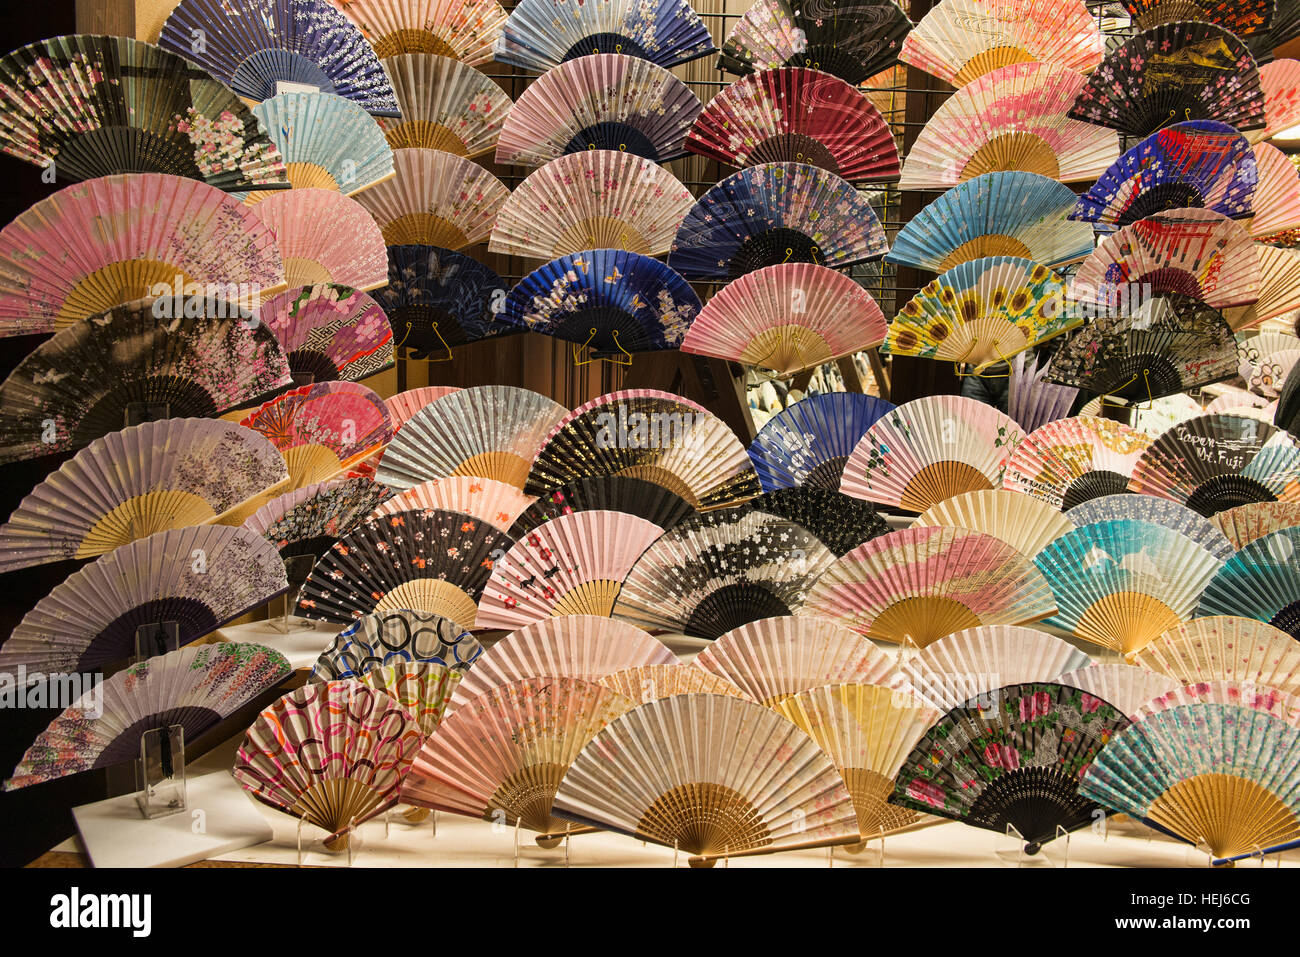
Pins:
x,y
464,30
1261,581
960,41
571,565
91,376
982,312
542,34
111,241
1032,401
1070,461
604,101
1243,17
595,199
436,199
396,638
1119,584
787,318
1023,522
437,298
853,40
257,45
1196,163
1212,463
916,585
135,482
994,214
1011,120
1125,686
192,687
496,503
1017,764
1157,511
330,332
1245,523
325,237
719,570
487,431
1277,194
199,577
610,493
308,521
68,110
1279,288
776,213
446,105
647,434
809,441
839,522
1225,648
419,560
928,450
797,115
1170,73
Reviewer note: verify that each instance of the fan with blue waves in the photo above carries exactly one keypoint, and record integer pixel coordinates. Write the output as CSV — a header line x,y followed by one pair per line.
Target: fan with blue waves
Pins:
x,y
1157,511
1262,581
809,442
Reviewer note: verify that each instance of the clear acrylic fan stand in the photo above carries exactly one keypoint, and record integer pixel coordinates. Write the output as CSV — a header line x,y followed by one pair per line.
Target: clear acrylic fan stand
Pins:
x,y
1012,850
343,845
137,413
297,569
408,817
869,852
1201,855
160,772
157,638
552,841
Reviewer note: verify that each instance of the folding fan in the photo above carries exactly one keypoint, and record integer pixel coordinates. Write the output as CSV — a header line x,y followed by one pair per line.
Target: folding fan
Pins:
x,y
1032,401
496,503
437,199
422,689
853,41
501,755
1286,411
135,482
981,312
1261,581
1245,523
465,31
787,318
437,298
1268,376
308,521
89,378
446,105
718,570
1125,686
960,41
325,237
994,214
1280,81
68,111
975,662
1173,72
708,774
107,242
1277,194
1220,774
928,450
193,687
1023,522
1157,511
1279,288
1119,584
1070,461
916,585
1225,648
199,577
573,646
1155,417
646,434
809,441
595,199
1253,347
1195,163
611,301
1164,345
541,34
333,755
661,507
644,683
776,213
1017,764
257,45
797,115
571,565
418,560
323,429
1212,463
330,332
839,522
396,637
488,431
405,404
774,658
1242,18
1193,252
1231,399
1011,120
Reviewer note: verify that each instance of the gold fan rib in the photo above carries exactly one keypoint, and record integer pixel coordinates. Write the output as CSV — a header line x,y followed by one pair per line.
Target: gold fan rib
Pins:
x,y
590,598
1230,814
115,284
431,595
922,619
142,516
1007,152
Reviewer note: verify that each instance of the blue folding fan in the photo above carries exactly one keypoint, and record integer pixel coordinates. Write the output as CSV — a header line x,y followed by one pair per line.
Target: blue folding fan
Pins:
x,y
437,298
1157,511
809,442
1262,581
776,213
541,34
996,214
255,45
612,301
1198,163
